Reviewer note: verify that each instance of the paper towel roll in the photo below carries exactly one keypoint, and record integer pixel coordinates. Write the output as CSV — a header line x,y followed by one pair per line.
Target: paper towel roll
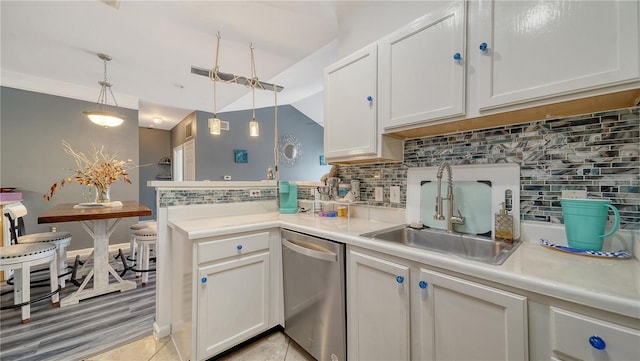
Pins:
x,y
16,211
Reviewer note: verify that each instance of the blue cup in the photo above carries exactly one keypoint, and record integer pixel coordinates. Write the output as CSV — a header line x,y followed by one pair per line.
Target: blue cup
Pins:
x,y
585,221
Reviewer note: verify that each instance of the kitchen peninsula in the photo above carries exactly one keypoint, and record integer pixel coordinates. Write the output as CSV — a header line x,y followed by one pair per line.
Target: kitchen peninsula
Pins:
x,y
551,299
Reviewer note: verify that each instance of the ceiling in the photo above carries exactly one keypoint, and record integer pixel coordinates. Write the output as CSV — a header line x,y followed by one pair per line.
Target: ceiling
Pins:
x,y
52,46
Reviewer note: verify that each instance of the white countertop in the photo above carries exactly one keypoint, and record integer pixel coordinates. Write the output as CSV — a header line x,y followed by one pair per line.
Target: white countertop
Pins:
x,y
608,284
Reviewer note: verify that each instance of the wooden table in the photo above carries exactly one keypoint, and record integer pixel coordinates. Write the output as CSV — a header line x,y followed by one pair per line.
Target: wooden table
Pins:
x,y
95,220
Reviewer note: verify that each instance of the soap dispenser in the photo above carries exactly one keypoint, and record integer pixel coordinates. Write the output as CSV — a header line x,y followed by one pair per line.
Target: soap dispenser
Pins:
x,y
504,225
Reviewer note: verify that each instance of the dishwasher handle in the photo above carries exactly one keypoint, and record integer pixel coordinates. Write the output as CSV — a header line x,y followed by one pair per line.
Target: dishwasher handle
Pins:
x,y
325,255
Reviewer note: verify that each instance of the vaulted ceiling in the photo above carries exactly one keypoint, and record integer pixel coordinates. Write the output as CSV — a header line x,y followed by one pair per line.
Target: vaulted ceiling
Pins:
x,y
51,47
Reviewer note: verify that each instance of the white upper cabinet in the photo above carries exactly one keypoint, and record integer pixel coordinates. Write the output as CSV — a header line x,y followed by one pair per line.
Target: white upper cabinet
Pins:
x,y
350,105
351,132
422,69
539,49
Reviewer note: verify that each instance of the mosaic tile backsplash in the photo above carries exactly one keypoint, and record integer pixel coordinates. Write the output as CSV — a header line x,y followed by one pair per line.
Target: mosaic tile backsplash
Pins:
x,y
596,152
181,197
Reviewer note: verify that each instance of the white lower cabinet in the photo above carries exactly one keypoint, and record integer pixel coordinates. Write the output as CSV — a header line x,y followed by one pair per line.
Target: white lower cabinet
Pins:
x,y
233,302
236,291
464,320
432,316
377,308
575,336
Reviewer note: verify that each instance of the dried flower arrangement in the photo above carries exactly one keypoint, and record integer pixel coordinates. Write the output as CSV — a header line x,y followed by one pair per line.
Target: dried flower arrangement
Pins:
x,y
98,169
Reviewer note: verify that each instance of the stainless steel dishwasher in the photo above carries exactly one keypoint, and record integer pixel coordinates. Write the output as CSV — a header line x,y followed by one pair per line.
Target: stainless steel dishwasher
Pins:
x,y
314,294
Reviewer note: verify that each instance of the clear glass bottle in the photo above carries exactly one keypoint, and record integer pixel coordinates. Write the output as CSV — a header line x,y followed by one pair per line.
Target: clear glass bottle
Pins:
x,y
504,225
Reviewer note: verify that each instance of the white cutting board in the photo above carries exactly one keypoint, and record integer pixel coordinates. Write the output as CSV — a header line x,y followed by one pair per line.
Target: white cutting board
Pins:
x,y
475,196
503,177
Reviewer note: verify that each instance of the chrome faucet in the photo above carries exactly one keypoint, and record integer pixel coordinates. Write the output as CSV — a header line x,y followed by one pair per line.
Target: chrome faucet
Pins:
x,y
451,219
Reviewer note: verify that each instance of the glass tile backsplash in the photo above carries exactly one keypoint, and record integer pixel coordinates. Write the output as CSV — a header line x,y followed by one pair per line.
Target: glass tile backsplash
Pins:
x,y
181,197
594,152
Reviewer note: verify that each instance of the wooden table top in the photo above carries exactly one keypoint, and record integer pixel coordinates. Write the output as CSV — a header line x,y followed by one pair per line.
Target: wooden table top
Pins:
x,y
66,213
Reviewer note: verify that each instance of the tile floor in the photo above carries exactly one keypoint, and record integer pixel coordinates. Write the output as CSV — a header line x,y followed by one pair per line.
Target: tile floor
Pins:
x,y
275,346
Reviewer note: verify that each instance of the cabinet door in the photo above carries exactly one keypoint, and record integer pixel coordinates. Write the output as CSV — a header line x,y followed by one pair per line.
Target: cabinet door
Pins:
x,y
462,320
419,78
377,308
350,111
233,303
538,49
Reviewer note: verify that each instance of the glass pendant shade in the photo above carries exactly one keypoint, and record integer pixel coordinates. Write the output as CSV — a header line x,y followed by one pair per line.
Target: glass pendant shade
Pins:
x,y
254,128
214,126
105,119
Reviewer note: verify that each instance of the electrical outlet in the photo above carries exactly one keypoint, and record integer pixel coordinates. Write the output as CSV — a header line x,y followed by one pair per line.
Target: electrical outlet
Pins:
x,y
394,194
254,193
378,194
574,194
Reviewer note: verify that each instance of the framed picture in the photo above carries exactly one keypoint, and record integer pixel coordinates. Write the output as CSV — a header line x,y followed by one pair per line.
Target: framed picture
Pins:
x,y
322,162
241,156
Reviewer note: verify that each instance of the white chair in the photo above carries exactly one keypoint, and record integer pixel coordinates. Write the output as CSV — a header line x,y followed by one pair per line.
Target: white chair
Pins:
x,y
20,258
145,240
133,228
15,213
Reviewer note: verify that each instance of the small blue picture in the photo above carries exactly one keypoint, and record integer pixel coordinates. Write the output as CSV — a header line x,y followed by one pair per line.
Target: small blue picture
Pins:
x,y
241,156
322,162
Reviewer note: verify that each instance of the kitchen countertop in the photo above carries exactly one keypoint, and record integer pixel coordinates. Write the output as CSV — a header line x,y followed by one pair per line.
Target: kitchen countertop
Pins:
x,y
608,284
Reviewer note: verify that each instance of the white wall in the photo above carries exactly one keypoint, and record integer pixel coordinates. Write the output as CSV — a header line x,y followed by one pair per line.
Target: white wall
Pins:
x,y
363,22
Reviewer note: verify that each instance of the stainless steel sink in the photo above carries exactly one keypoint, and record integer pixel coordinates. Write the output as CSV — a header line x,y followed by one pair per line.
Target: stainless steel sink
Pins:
x,y
477,248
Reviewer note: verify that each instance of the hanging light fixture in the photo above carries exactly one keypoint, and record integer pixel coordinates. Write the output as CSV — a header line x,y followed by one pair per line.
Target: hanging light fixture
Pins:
x,y
214,123
254,127
102,116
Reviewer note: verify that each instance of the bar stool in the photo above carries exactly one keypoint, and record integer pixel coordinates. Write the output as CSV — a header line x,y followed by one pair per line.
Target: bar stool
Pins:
x,y
20,258
133,228
145,239
15,214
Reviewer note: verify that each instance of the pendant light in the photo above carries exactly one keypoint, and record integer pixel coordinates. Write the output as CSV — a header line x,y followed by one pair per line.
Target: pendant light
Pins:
x,y
254,127
102,116
214,123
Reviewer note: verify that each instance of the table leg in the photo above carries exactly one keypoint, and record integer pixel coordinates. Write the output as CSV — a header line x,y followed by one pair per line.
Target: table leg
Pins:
x,y
100,230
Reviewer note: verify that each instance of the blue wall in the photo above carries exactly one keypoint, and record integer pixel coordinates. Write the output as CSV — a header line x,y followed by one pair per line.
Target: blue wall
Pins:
x,y
215,156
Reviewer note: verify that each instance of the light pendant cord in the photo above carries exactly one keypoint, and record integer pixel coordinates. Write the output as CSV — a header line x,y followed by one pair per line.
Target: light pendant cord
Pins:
x,y
276,156
105,84
253,81
213,75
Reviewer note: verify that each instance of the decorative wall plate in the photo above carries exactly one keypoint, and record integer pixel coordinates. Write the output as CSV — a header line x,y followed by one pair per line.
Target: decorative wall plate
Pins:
x,y
290,150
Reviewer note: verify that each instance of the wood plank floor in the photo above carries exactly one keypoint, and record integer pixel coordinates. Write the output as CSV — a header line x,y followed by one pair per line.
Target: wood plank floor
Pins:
x,y
78,331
